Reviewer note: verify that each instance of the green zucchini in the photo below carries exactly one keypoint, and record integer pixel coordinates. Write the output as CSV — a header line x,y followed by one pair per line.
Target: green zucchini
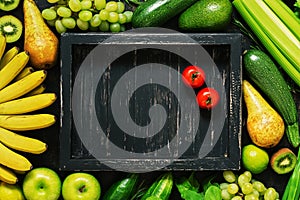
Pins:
x,y
123,189
161,188
154,13
261,69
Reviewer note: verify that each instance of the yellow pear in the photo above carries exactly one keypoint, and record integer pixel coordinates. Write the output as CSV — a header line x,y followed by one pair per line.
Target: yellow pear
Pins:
x,y
39,40
265,126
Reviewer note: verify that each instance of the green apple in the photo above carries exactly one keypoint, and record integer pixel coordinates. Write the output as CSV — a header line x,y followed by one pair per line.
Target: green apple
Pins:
x,y
10,191
42,183
81,185
254,159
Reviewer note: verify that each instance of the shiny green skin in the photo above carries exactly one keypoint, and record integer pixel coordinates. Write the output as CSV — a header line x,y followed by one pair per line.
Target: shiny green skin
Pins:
x,y
161,188
261,69
206,15
123,189
155,13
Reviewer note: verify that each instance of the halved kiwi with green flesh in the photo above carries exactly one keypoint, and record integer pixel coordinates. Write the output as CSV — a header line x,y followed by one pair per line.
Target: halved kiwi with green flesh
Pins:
x,y
283,161
8,5
11,27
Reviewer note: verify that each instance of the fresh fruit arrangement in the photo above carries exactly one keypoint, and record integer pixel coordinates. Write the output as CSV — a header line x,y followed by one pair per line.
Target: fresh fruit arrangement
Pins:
x,y
271,109
88,15
18,102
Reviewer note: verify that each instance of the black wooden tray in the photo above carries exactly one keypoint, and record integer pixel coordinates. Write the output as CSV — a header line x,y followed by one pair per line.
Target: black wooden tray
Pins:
x,y
81,139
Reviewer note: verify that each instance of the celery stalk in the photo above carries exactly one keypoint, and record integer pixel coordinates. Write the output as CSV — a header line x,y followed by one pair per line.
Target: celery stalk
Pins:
x,y
275,29
268,43
286,15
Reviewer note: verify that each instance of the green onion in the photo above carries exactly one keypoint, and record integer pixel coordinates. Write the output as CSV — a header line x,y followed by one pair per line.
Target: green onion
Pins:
x,y
292,189
263,30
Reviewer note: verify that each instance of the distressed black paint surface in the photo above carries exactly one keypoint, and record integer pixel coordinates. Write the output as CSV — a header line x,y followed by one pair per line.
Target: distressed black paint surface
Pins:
x,y
225,50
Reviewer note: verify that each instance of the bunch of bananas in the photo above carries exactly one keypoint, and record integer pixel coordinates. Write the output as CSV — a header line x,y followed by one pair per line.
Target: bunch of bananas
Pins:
x,y
21,93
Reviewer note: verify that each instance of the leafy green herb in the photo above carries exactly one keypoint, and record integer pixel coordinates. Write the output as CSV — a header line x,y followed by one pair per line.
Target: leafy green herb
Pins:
x,y
189,188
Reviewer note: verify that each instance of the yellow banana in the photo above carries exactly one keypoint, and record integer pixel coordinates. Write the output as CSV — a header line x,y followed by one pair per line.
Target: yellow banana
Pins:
x,y
13,68
2,45
7,175
22,86
27,104
26,71
9,55
38,90
21,143
13,160
26,122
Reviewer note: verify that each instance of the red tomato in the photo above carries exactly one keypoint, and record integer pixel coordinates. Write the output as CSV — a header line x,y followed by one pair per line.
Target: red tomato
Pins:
x,y
193,76
208,98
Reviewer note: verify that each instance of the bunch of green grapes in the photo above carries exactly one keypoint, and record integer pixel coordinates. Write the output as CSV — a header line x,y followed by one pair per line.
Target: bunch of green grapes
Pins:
x,y
87,15
245,187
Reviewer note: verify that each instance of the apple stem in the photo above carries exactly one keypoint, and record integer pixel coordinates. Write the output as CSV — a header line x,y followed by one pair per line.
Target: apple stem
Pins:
x,y
82,188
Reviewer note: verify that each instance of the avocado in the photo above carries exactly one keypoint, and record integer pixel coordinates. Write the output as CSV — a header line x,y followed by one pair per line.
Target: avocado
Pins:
x,y
206,16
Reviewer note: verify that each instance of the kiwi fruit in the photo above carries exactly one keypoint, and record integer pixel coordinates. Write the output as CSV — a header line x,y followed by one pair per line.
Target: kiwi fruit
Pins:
x,y
8,5
11,27
283,161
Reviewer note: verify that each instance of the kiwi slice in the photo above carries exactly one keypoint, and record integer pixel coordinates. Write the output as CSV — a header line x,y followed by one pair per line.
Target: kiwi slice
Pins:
x,y
11,27
283,161
8,5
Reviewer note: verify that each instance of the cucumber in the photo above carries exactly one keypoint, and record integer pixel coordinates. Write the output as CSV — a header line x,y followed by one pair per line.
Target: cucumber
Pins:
x,y
261,69
154,13
123,189
161,188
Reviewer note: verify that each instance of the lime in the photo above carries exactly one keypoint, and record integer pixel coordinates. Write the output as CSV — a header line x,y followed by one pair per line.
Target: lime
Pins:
x,y
254,159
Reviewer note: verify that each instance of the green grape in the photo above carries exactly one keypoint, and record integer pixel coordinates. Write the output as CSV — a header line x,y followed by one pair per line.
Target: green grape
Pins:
x,y
49,14
62,2
103,15
251,197
52,1
104,26
111,6
82,25
277,195
122,18
86,4
242,179
247,188
113,17
115,27
229,176
121,7
51,22
95,21
224,186
248,174
63,11
60,28
233,188
74,5
128,14
237,198
270,194
122,27
225,195
85,15
259,186
94,29
100,4
68,22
